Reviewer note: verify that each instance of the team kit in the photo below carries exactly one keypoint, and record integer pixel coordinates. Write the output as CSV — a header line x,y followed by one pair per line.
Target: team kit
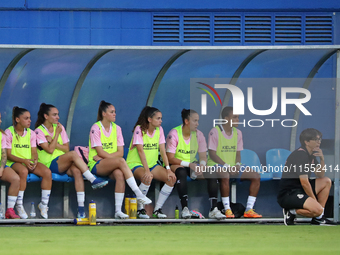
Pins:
x,y
45,150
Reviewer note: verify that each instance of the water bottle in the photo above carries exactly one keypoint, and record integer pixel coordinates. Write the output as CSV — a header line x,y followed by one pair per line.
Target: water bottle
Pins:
x,y
176,213
127,205
32,213
81,221
133,208
1,212
92,213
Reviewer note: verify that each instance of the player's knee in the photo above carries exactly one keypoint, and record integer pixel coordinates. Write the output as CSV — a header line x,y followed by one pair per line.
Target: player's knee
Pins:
x,y
328,181
317,211
121,162
181,173
119,176
73,155
23,173
14,180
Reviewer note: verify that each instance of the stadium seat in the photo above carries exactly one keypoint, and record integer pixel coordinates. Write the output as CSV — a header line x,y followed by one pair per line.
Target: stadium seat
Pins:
x,y
275,160
251,159
33,178
62,178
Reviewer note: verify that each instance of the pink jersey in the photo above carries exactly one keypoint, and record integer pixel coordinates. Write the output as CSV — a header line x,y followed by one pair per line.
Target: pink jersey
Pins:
x,y
3,141
213,139
137,137
41,138
172,141
95,135
10,138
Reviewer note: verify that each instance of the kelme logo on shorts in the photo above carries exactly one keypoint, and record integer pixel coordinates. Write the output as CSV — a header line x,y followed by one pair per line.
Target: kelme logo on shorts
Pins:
x,y
300,196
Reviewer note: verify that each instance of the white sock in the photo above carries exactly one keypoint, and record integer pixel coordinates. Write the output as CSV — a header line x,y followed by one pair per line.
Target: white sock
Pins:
x,y
89,176
11,201
163,195
81,198
119,197
45,196
226,203
250,203
133,185
144,189
319,217
292,211
20,197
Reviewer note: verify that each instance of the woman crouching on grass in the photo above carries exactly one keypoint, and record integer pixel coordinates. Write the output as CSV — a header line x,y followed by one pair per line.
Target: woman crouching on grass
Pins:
x,y
106,141
54,152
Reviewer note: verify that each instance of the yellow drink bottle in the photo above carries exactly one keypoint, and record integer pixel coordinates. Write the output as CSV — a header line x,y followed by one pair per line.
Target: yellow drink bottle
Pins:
x,y
92,213
133,208
81,221
127,205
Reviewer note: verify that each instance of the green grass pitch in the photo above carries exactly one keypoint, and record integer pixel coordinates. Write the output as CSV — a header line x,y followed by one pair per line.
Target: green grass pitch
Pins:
x,y
171,239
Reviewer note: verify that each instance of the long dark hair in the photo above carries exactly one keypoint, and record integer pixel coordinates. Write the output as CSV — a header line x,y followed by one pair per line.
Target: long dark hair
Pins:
x,y
102,108
186,113
147,112
16,113
44,109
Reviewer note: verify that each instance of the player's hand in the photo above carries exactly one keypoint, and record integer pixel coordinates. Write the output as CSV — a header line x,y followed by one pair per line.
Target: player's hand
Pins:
x,y
48,138
97,158
147,177
29,164
196,168
233,170
171,176
58,129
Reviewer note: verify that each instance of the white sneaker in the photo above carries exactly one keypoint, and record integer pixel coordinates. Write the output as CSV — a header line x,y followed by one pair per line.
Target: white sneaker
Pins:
x,y
21,211
43,210
159,214
216,214
121,215
141,214
186,214
144,200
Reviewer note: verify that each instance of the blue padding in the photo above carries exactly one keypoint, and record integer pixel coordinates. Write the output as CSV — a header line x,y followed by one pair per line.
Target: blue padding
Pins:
x,y
62,178
276,159
126,151
250,158
33,178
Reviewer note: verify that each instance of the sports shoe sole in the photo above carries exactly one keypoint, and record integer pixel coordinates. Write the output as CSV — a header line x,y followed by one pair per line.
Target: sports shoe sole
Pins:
x,y
100,185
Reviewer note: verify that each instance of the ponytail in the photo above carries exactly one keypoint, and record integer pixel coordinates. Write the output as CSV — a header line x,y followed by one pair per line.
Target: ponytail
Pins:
x,y
147,112
102,108
17,112
44,109
186,113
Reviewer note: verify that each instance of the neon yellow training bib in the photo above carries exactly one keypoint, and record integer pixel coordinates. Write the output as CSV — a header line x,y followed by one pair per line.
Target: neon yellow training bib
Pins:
x,y
109,144
226,148
45,157
186,152
21,146
150,147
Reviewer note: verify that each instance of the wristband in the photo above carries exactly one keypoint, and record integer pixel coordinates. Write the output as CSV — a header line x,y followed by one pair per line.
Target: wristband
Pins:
x,y
185,163
202,162
238,164
167,167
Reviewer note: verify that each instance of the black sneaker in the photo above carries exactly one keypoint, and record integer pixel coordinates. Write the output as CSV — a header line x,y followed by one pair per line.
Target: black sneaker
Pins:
x,y
141,214
159,214
288,217
322,222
